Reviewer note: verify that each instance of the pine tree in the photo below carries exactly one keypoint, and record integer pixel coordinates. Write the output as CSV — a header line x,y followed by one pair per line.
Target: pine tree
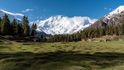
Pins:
x,y
0,24
122,28
14,27
20,29
119,29
34,27
25,26
5,26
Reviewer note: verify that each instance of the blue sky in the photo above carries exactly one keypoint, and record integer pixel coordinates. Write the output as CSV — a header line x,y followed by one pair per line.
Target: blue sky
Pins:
x,y
36,9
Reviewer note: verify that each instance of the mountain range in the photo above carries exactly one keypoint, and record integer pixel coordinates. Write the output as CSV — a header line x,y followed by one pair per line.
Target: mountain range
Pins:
x,y
63,24
67,25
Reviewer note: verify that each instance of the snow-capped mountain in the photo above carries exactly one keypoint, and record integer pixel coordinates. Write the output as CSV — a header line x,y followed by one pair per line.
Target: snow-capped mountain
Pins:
x,y
115,17
11,15
63,24
115,12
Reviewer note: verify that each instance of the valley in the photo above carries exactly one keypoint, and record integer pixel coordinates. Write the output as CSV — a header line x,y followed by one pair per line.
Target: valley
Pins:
x,y
62,35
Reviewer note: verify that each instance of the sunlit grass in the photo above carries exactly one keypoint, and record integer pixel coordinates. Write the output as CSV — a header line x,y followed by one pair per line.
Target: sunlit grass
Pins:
x,y
82,47
79,60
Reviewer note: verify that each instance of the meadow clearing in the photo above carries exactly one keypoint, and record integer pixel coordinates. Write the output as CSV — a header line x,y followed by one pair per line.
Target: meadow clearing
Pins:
x,y
61,55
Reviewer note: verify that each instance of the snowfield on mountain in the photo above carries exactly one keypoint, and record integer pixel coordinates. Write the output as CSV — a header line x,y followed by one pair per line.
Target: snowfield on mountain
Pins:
x,y
63,24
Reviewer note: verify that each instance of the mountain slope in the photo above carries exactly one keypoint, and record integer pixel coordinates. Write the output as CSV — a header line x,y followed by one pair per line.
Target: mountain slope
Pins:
x,y
63,25
113,18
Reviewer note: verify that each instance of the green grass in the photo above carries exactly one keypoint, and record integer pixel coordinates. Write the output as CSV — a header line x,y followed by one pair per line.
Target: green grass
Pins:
x,y
81,47
61,55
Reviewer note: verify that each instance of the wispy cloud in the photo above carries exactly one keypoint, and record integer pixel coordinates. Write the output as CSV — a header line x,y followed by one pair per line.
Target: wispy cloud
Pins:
x,y
14,14
105,8
27,10
109,9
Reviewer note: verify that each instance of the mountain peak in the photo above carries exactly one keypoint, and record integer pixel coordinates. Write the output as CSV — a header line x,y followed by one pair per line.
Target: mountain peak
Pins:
x,y
63,24
113,18
115,12
118,10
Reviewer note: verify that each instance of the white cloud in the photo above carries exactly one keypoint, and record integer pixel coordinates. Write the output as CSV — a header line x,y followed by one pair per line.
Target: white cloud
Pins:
x,y
14,14
109,9
105,8
27,10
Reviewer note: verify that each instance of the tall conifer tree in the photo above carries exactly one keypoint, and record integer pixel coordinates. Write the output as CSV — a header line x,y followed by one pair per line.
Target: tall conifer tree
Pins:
x,y
5,25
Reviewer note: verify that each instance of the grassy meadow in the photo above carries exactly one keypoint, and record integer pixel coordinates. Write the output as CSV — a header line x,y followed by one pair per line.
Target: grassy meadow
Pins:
x,y
61,55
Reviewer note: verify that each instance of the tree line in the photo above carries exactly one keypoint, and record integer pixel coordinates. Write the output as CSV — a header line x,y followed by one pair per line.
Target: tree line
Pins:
x,y
64,38
16,27
108,29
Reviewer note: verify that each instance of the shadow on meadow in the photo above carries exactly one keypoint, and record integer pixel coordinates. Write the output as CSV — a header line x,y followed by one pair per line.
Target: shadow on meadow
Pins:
x,y
59,61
